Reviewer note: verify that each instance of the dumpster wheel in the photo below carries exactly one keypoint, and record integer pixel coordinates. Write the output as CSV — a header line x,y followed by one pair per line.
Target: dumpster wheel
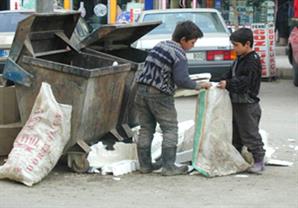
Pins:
x,y
78,163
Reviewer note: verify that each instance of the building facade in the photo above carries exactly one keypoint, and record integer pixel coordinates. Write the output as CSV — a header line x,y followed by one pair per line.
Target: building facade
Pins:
x,y
235,12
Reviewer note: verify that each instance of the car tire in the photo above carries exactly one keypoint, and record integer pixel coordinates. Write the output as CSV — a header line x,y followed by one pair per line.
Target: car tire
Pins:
x,y
289,54
296,76
295,72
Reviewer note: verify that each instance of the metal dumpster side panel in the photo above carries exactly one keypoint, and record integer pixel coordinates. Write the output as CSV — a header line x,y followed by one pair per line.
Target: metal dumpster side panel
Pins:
x,y
102,105
96,101
128,114
74,85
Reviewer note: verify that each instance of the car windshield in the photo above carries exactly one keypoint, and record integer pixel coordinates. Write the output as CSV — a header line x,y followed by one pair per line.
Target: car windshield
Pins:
x,y
9,21
207,22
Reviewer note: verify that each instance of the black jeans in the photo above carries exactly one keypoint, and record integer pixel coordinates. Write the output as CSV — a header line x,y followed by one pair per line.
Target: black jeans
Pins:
x,y
246,118
154,107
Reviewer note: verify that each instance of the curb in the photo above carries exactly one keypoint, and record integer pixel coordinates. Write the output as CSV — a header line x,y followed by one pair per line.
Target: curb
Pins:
x,y
284,73
280,50
283,66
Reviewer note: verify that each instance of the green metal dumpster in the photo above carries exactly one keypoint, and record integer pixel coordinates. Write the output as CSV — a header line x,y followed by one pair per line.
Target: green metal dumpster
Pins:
x,y
42,52
114,42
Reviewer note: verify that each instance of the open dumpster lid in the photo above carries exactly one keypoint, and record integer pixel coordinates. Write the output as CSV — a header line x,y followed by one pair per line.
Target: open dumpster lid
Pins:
x,y
43,33
111,37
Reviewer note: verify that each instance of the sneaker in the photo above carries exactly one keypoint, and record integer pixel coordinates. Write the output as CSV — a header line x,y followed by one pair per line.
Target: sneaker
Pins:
x,y
257,168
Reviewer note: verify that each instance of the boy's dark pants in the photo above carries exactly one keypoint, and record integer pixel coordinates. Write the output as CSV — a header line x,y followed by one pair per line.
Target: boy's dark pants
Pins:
x,y
246,118
154,106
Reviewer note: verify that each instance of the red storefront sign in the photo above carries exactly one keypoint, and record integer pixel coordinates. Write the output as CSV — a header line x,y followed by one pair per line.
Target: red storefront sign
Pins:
x,y
264,46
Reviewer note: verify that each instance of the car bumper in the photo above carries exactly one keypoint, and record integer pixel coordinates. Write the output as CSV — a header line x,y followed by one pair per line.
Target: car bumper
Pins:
x,y
217,70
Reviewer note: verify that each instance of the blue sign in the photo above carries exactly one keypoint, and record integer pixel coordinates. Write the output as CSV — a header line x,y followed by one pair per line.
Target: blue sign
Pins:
x,y
4,53
124,17
217,4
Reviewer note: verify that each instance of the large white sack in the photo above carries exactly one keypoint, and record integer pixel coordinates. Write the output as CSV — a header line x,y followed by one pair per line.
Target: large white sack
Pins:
x,y
40,143
213,152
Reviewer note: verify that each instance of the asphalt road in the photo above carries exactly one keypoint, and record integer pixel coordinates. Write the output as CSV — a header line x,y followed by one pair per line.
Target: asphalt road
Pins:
x,y
276,188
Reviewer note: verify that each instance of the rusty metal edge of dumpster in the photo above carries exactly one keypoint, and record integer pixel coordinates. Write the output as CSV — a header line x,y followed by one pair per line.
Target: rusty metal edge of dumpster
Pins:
x,y
17,45
102,33
25,27
78,71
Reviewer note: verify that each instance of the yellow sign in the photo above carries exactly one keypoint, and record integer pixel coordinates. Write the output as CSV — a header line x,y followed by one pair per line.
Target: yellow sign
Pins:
x,y
112,11
67,4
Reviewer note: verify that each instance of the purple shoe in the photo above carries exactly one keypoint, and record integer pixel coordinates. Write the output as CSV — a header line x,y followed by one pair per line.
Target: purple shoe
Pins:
x,y
257,168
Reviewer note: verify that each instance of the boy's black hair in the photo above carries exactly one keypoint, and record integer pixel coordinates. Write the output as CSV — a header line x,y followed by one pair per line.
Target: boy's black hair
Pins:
x,y
243,35
187,30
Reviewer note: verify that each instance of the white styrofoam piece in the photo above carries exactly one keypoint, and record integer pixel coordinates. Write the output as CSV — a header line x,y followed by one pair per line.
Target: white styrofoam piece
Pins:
x,y
99,156
120,168
274,162
182,157
124,167
241,176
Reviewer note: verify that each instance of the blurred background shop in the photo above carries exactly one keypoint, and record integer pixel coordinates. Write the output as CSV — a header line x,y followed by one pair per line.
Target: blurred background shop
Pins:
x,y
235,12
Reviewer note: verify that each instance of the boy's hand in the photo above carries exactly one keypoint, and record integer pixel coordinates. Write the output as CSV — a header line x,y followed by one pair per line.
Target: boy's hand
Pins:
x,y
222,84
205,85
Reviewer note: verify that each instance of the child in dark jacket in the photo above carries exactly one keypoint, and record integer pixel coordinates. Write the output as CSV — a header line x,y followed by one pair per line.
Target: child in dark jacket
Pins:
x,y
165,68
243,83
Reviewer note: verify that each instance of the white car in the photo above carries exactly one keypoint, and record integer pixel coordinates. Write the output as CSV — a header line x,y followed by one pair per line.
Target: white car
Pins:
x,y
212,54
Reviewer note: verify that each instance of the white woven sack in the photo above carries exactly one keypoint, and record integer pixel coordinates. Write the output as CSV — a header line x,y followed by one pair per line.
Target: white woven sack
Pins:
x,y
213,152
40,143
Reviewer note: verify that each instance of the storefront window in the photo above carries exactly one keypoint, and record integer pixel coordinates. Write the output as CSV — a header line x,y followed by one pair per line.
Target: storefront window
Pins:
x,y
246,12
234,12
